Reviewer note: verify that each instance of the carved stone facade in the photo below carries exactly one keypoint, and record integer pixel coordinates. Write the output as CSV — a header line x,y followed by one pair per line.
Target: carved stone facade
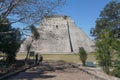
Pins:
x,y
59,34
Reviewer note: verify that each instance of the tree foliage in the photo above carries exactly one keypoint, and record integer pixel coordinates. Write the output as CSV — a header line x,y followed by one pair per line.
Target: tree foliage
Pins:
x,y
10,42
116,70
107,34
83,55
109,19
105,51
28,11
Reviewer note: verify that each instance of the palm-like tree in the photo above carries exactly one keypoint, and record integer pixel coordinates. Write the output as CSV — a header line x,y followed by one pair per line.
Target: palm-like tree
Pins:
x,y
35,36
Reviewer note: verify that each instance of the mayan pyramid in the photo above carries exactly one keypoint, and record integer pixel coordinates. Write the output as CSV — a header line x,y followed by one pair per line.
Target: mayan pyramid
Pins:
x,y
59,34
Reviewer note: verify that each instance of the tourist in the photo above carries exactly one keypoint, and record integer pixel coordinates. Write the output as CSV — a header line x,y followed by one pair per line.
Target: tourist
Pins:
x,y
40,59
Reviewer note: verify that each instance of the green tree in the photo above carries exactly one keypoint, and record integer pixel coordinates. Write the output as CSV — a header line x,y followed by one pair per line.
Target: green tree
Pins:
x,y
104,51
9,42
109,19
116,70
107,33
83,55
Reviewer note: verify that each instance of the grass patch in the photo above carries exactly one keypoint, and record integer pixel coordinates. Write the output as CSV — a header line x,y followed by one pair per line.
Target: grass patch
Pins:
x,y
21,56
65,57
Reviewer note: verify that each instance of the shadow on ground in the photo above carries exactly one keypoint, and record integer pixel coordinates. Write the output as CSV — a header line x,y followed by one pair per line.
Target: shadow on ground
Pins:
x,y
39,72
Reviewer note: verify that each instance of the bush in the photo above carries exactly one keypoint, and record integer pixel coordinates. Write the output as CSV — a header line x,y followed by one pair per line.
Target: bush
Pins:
x,y
83,55
116,70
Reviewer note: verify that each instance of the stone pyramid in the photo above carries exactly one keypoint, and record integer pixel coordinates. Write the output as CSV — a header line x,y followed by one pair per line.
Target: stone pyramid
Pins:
x,y
59,34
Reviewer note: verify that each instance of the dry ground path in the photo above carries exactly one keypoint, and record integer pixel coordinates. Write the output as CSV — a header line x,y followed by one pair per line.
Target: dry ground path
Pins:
x,y
53,70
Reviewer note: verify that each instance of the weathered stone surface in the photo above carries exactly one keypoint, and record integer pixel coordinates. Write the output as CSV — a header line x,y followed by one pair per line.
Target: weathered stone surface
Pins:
x,y
59,34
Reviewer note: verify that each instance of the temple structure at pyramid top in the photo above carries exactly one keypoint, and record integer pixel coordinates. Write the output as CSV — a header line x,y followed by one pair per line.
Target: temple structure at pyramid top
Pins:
x,y
59,34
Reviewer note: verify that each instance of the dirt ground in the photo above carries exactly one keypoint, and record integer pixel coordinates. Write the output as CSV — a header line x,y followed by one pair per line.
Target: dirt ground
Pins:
x,y
53,70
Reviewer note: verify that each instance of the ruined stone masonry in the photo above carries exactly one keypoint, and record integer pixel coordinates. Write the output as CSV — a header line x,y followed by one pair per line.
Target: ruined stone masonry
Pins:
x,y
59,34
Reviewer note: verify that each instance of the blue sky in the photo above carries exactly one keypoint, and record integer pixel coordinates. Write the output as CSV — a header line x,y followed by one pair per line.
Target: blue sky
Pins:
x,y
84,12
